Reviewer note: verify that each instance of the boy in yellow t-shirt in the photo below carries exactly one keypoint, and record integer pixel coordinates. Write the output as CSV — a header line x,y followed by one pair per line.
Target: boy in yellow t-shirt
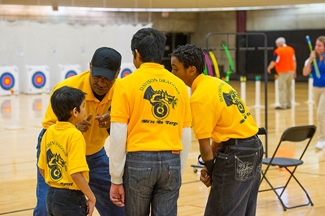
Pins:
x,y
150,132
233,157
62,161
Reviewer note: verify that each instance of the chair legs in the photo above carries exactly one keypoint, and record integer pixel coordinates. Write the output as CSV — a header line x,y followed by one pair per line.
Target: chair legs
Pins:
x,y
279,195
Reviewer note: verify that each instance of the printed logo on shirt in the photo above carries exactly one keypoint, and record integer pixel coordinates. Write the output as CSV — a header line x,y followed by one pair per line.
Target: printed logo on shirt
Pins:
x,y
160,101
55,164
232,98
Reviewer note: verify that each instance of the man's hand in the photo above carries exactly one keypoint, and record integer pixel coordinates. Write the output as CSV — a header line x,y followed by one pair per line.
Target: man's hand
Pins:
x,y
104,121
117,194
85,124
270,66
205,178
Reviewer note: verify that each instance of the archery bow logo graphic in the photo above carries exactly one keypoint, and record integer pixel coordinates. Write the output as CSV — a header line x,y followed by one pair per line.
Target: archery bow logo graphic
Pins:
x,y
55,164
233,98
160,101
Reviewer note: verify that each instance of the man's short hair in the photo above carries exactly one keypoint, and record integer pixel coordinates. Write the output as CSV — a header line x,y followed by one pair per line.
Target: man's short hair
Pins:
x,y
150,43
280,41
190,55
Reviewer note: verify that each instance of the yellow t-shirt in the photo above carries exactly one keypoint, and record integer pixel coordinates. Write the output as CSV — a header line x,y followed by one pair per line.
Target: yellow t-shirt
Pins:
x,y
95,137
155,105
63,152
218,112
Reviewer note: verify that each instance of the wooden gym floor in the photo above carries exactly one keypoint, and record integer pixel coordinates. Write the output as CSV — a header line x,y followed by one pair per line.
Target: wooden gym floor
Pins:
x,y
20,119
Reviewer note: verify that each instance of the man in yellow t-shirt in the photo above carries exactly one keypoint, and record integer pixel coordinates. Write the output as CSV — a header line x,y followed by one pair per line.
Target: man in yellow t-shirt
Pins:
x,y
226,131
98,83
151,132
62,161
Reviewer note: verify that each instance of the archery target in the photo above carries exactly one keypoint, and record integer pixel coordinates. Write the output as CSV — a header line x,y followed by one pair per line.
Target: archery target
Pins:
x,y
37,79
67,71
9,82
126,69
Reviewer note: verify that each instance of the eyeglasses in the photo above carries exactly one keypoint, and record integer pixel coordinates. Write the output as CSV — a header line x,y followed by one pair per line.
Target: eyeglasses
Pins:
x,y
102,79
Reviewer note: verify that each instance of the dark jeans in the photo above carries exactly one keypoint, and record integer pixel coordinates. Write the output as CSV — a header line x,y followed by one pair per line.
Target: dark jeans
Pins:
x,y
236,178
152,179
99,182
62,202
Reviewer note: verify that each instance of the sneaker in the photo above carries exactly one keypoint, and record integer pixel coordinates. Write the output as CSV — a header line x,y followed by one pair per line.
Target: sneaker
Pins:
x,y
320,145
280,108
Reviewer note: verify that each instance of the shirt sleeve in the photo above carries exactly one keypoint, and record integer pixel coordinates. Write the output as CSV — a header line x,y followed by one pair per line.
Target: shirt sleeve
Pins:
x,y
117,151
77,154
186,142
202,120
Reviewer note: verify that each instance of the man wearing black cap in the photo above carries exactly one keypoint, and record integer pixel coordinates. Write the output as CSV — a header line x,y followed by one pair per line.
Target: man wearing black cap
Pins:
x,y
98,84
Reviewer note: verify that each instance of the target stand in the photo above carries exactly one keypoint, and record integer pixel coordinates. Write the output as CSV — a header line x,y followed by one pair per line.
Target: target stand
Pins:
x,y
37,80
126,69
9,80
67,71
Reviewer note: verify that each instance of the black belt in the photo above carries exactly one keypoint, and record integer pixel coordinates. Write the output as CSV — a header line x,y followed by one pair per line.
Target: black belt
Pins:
x,y
232,141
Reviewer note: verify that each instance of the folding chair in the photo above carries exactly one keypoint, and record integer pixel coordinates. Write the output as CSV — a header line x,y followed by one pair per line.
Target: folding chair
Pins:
x,y
298,135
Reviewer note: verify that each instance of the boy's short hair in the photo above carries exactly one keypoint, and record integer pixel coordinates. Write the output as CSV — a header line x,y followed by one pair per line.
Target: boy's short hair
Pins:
x,y
150,43
190,55
64,100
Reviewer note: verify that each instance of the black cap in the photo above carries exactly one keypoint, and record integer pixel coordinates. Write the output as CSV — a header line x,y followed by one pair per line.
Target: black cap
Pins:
x,y
106,62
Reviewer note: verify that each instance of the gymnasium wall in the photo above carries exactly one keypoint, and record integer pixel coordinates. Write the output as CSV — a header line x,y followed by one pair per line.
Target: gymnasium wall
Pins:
x,y
54,39
27,42
294,24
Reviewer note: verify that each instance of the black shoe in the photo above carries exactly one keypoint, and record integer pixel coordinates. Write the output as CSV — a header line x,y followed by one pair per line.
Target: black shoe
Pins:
x,y
280,108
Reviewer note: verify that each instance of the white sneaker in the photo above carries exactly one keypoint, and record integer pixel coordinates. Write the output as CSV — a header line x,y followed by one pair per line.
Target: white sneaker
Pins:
x,y
320,145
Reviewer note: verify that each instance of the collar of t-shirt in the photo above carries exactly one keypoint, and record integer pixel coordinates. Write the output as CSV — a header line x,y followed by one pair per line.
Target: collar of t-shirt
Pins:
x,y
99,97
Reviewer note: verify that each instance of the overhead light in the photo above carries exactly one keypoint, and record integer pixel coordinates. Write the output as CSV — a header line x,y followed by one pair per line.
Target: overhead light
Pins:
x,y
9,9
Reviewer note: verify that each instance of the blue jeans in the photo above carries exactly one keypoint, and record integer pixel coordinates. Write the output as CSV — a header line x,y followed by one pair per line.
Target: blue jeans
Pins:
x,y
41,186
236,178
66,202
152,181
99,182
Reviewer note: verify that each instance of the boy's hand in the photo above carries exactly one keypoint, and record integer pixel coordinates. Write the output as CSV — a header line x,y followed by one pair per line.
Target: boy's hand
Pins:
x,y
85,124
205,178
117,194
90,207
